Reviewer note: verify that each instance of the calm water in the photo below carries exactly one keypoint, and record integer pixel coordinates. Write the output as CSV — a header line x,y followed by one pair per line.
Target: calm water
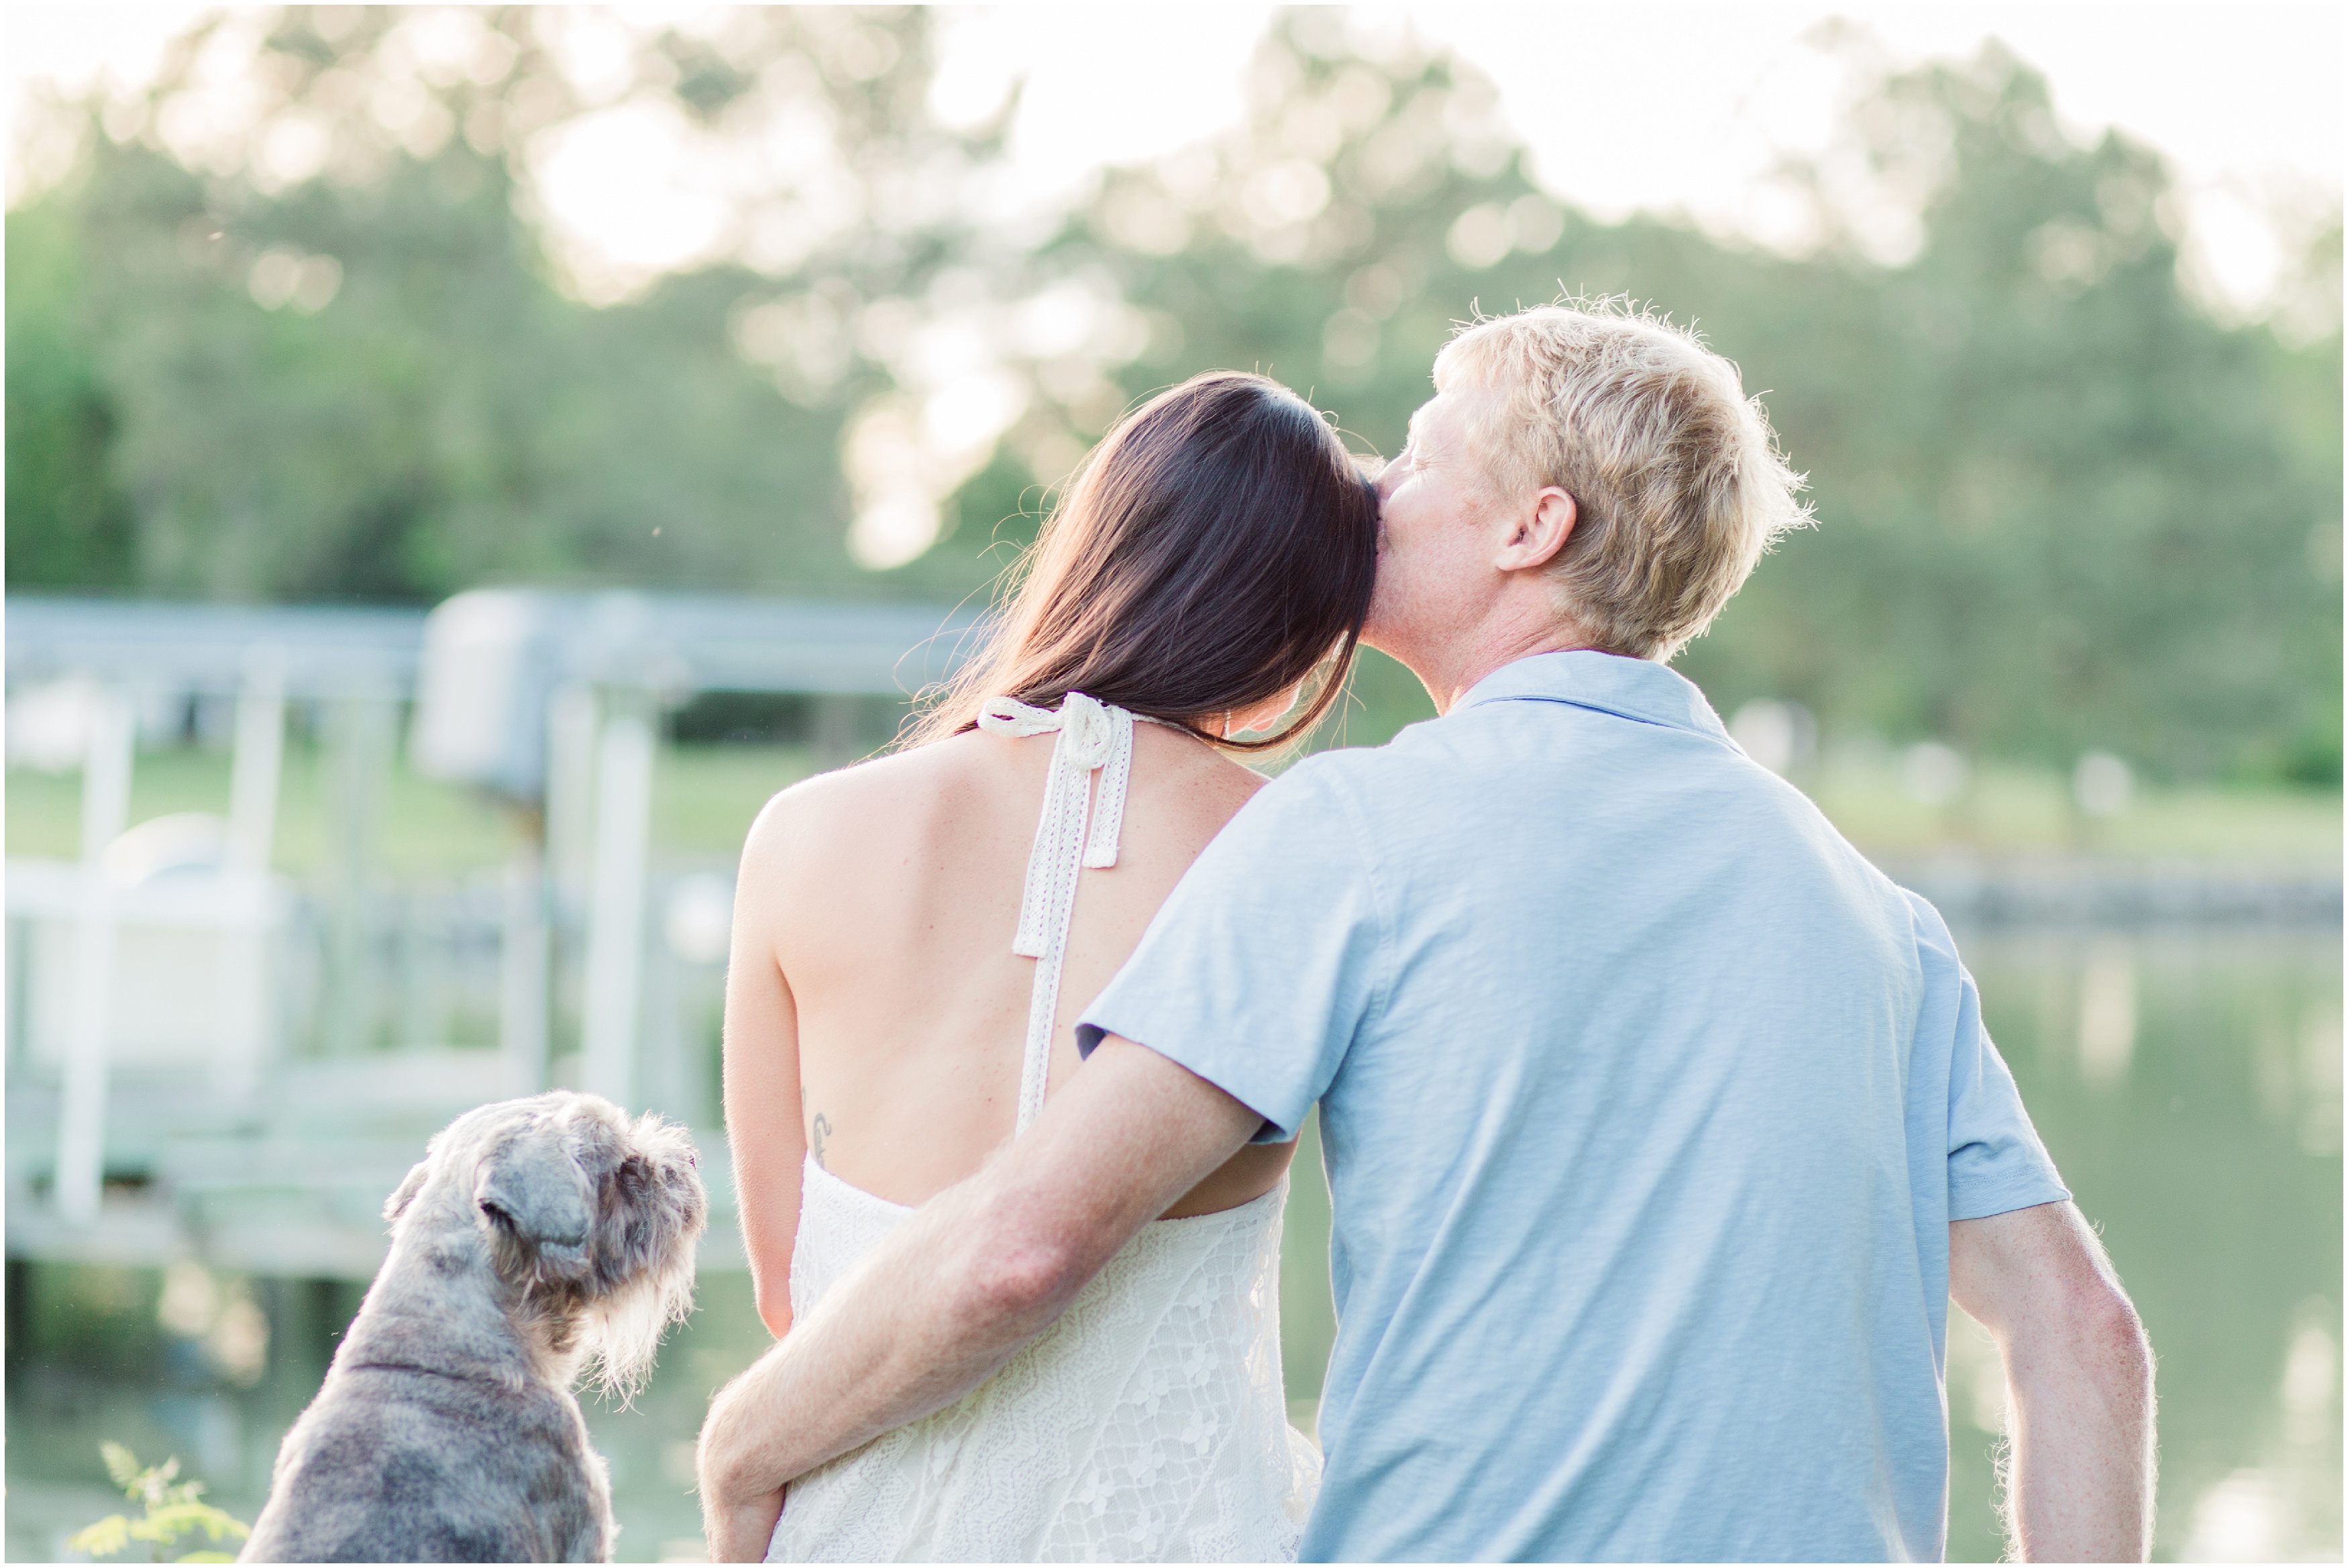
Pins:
x,y
2189,1084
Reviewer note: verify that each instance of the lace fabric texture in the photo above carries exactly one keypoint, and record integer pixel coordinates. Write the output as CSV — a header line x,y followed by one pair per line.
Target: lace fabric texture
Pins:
x,y
1150,1424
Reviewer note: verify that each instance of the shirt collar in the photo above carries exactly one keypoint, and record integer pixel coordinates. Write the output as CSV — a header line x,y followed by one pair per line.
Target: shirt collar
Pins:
x,y
1637,689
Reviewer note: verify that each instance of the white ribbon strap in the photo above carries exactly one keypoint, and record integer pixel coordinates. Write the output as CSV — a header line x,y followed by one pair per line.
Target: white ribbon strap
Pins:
x,y
1092,736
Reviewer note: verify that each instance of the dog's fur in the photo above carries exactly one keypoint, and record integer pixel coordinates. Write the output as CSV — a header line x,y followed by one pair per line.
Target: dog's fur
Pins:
x,y
538,1238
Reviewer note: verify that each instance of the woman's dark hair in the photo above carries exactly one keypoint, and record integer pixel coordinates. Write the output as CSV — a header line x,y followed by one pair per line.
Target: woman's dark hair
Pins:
x,y
1216,547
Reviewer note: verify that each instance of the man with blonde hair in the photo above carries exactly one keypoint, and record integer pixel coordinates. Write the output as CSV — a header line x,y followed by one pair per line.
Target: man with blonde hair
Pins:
x,y
1661,1127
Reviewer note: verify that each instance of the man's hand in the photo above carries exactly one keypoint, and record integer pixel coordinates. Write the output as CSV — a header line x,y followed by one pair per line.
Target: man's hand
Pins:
x,y
2078,1374
976,1272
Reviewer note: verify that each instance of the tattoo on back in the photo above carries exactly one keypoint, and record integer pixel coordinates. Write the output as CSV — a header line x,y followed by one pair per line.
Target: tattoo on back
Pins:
x,y
821,1130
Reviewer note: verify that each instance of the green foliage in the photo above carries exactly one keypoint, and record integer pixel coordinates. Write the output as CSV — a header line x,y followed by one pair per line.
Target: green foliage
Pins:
x,y
173,1512
2060,506
450,419
372,384
74,526
92,1317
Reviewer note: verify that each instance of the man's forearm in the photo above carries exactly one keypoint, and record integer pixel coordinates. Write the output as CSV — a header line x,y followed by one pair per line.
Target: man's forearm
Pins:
x,y
922,1322
974,1274
2080,1484
2078,1370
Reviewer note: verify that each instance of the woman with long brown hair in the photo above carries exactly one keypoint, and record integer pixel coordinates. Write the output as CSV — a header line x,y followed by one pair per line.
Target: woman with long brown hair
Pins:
x,y
912,950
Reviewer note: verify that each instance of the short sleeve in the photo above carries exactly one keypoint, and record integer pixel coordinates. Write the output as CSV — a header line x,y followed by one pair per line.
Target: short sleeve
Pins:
x,y
1263,962
1997,1162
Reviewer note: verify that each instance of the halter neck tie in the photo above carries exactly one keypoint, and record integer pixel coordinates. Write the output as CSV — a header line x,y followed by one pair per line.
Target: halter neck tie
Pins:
x,y
1093,737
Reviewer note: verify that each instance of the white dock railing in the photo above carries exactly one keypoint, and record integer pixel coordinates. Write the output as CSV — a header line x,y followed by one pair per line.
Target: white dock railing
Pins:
x,y
192,1062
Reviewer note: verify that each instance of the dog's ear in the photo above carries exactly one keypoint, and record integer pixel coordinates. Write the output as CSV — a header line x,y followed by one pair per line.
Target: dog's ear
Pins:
x,y
530,1185
405,1194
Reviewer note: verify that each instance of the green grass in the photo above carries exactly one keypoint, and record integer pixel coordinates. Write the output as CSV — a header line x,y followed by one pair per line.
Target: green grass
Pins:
x,y
703,798
423,827
2021,811
2008,809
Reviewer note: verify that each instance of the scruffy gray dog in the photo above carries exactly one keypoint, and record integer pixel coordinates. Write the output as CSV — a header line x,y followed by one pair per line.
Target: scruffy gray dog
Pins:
x,y
539,1237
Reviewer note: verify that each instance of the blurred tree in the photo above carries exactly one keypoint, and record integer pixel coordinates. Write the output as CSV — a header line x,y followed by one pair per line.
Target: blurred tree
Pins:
x,y
366,387
75,527
373,393
299,316
2060,506
297,324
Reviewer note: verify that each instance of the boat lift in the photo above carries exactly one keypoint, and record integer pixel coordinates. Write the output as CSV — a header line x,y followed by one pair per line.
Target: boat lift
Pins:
x,y
156,1109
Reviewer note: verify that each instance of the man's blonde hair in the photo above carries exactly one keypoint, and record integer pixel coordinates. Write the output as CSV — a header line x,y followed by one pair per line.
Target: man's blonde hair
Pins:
x,y
1675,477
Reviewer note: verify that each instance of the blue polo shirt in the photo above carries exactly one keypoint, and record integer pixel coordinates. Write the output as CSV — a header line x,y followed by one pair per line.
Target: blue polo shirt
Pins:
x,y
1647,1101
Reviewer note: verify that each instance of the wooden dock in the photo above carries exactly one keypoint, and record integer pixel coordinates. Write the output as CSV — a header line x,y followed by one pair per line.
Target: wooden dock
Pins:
x,y
291,1183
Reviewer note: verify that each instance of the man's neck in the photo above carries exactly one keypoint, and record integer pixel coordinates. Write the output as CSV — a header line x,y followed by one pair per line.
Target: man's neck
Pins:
x,y
1450,670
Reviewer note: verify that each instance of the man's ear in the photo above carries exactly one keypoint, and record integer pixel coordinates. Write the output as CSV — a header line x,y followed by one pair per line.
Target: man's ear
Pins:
x,y
1537,531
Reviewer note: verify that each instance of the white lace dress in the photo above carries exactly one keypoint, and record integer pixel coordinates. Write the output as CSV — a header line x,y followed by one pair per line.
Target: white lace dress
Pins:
x,y
1150,1423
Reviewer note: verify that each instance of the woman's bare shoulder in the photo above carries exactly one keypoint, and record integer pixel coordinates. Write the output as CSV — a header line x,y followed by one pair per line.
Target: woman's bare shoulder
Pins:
x,y
834,814
820,826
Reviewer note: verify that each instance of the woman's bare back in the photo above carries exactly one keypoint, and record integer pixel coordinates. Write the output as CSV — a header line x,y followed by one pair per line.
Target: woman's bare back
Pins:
x,y
876,1014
